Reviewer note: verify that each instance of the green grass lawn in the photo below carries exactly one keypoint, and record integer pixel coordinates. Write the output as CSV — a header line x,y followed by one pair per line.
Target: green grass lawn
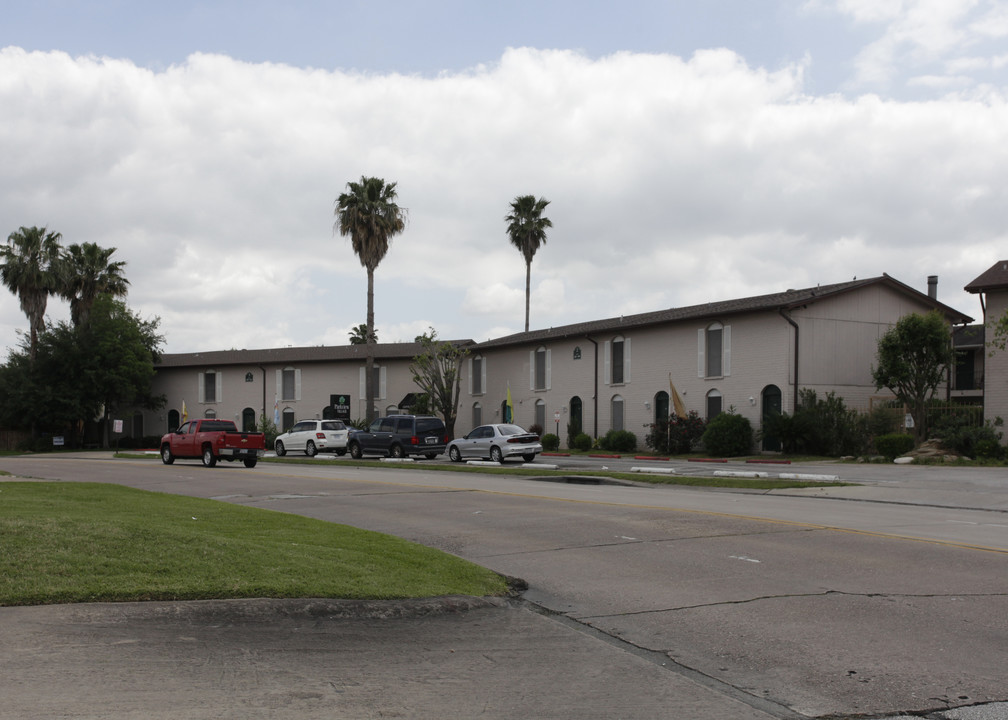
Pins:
x,y
92,542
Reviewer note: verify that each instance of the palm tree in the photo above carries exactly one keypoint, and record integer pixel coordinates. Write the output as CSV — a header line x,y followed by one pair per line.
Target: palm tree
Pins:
x,y
368,213
30,268
527,230
86,274
359,335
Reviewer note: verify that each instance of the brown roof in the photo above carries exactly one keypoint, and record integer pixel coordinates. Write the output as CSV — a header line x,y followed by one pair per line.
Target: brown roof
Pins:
x,y
760,303
283,356
995,278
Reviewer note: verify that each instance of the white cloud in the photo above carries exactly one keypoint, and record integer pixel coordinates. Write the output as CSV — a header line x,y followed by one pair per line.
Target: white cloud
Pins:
x,y
672,182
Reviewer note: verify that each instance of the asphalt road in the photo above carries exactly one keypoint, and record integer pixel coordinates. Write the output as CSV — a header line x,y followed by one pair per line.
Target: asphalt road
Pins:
x,y
886,598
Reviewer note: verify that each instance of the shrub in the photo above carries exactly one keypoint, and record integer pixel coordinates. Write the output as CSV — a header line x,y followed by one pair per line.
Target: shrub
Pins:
x,y
573,430
582,442
820,427
619,441
959,433
550,442
894,445
728,435
676,435
989,449
536,429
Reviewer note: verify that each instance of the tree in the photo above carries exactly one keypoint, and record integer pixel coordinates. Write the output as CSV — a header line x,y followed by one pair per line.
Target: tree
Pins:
x,y
437,372
30,268
86,272
912,359
369,215
527,230
83,373
359,335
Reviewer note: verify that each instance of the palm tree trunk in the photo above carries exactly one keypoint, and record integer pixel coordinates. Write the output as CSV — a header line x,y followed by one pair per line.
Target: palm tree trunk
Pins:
x,y
369,388
528,287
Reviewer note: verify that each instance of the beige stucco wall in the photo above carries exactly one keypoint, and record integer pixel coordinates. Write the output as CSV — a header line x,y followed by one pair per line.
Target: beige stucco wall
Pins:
x,y
996,372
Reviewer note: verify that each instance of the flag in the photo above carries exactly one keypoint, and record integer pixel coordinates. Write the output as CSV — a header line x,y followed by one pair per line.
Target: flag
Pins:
x,y
185,414
276,411
677,403
508,407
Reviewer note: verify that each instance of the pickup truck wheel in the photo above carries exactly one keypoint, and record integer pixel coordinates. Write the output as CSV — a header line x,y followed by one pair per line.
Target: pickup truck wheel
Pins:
x,y
166,456
310,450
209,459
251,462
355,451
396,451
496,455
280,449
454,454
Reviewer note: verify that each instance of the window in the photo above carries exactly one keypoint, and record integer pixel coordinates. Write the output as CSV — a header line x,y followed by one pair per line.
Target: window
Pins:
x,y
210,382
617,361
477,414
288,419
539,362
289,384
714,351
379,383
713,404
540,413
477,375
661,406
248,420
616,409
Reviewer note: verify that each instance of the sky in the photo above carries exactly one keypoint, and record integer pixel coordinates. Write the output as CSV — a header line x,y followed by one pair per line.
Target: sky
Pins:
x,y
690,152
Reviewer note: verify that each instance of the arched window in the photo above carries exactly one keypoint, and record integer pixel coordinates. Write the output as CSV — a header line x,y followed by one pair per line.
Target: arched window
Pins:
x,y
248,420
540,414
288,419
210,413
714,404
616,412
477,414
771,398
661,406
576,420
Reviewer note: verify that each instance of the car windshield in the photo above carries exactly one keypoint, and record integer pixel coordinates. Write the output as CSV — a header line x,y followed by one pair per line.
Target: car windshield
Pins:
x,y
511,430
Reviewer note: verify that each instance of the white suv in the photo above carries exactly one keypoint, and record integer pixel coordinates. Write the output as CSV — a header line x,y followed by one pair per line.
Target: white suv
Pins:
x,y
313,436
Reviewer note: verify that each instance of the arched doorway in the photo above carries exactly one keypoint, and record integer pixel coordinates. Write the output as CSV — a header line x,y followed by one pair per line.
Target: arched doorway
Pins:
x,y
772,402
661,407
248,420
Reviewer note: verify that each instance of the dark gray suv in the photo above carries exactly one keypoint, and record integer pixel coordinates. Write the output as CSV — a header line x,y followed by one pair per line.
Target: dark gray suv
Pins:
x,y
400,436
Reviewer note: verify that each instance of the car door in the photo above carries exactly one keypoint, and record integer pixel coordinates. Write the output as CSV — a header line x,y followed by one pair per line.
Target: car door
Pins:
x,y
299,434
380,435
478,444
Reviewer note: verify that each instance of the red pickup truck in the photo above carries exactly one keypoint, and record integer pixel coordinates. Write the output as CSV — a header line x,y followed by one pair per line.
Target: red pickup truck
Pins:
x,y
212,440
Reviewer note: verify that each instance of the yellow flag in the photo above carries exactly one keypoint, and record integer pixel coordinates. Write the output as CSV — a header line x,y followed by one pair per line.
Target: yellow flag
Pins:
x,y
508,407
184,413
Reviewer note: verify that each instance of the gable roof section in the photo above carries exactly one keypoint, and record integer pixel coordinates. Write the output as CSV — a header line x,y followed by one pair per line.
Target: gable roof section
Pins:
x,y
994,278
773,302
300,355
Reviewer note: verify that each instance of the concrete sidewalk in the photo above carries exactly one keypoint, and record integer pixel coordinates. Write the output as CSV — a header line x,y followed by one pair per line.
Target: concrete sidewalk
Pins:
x,y
442,658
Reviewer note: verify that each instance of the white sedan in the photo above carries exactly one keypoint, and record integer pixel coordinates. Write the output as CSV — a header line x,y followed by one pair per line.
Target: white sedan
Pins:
x,y
496,442
312,437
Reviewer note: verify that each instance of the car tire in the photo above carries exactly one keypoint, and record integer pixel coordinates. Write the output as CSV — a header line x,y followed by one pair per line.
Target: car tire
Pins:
x,y
251,462
310,450
454,454
209,459
430,456
342,452
166,455
496,455
528,458
280,449
355,451
396,451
